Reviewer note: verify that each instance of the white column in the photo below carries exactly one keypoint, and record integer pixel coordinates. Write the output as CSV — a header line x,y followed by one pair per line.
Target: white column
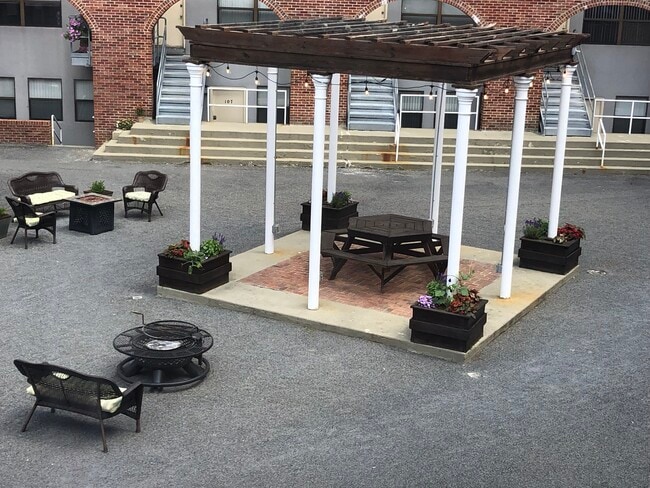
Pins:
x,y
465,99
560,149
271,130
436,176
320,105
334,135
522,84
197,82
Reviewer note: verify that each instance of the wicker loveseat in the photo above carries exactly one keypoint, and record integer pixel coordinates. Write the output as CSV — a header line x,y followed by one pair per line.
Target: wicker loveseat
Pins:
x,y
42,189
61,388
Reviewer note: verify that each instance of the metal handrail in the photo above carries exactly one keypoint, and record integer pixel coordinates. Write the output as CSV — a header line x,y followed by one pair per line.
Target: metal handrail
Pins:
x,y
601,141
55,125
246,105
587,88
163,57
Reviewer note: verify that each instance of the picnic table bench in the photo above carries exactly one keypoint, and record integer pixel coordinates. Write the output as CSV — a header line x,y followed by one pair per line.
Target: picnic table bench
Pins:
x,y
395,243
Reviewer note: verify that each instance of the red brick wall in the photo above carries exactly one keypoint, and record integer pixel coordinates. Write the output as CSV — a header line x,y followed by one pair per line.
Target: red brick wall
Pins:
x,y
36,132
122,68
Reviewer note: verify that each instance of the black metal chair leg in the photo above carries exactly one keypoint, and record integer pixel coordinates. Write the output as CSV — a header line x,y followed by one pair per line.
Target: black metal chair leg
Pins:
x,y
29,417
101,425
15,234
54,235
25,238
150,206
156,203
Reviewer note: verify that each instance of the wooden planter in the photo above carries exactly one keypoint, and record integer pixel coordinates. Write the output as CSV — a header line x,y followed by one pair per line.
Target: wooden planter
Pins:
x,y
448,330
4,226
172,273
333,218
549,256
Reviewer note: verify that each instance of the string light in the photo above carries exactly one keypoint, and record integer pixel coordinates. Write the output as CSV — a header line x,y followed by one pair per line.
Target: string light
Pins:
x,y
485,96
366,91
507,90
431,92
228,68
306,80
257,80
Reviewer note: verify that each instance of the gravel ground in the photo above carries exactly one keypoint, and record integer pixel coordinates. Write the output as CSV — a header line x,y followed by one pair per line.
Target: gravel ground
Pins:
x,y
559,400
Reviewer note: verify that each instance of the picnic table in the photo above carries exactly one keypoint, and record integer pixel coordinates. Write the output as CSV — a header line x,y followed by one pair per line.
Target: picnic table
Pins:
x,y
387,243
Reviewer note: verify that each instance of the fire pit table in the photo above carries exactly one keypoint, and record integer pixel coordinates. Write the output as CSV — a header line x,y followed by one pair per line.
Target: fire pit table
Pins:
x,y
163,354
92,213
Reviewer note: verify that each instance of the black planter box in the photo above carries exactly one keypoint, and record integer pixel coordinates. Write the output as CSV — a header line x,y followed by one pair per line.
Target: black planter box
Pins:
x,y
333,218
172,273
549,256
4,226
448,330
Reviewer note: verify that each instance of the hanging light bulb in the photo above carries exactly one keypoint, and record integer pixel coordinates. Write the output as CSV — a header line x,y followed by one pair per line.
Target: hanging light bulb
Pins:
x,y
507,90
257,80
485,96
548,81
207,72
431,93
366,91
228,68
306,81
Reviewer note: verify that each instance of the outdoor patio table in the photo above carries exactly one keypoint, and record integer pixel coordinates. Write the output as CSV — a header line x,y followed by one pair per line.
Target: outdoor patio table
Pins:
x,y
396,241
92,213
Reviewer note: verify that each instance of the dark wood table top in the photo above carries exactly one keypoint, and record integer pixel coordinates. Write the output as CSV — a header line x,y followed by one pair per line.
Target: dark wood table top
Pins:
x,y
390,226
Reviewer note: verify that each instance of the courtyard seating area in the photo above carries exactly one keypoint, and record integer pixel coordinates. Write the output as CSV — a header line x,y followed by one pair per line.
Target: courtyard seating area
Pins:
x,y
282,403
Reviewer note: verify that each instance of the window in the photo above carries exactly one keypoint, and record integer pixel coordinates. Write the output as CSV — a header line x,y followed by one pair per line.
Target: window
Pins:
x,y
83,101
31,13
239,11
629,123
262,99
7,98
615,24
433,11
416,103
45,99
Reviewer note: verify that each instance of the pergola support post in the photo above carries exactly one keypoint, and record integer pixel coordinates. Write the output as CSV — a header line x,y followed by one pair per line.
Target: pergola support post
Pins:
x,y
560,149
197,82
334,135
465,99
522,85
271,131
320,106
441,105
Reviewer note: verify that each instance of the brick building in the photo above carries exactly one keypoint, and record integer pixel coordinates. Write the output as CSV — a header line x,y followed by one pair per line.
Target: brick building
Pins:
x,y
121,79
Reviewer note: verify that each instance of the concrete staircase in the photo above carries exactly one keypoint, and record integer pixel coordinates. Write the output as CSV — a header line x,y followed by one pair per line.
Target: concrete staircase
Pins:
x,y
579,123
246,144
374,110
174,101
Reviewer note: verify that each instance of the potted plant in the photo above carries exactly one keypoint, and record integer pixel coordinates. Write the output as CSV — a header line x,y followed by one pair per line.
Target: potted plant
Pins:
x,y
336,214
451,316
78,30
5,219
557,255
140,114
98,186
185,269
124,124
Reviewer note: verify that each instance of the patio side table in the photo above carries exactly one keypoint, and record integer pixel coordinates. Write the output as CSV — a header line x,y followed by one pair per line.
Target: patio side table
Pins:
x,y
92,213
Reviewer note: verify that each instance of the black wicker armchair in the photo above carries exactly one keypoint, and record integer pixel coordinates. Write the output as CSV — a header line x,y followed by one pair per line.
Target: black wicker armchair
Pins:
x,y
57,387
29,219
143,193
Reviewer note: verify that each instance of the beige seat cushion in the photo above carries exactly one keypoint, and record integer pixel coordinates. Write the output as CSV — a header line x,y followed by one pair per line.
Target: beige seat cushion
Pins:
x,y
49,196
32,221
140,196
109,405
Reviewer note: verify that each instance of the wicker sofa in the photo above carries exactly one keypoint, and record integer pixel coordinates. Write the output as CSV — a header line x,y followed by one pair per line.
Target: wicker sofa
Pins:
x,y
42,189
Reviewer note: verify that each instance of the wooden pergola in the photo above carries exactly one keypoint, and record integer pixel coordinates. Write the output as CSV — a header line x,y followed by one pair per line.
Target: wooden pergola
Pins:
x,y
464,56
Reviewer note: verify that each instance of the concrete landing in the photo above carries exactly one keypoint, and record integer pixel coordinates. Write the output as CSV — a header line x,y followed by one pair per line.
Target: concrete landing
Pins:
x,y
275,286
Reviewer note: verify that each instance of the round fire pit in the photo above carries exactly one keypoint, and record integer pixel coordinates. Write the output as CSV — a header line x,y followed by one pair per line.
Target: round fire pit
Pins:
x,y
162,354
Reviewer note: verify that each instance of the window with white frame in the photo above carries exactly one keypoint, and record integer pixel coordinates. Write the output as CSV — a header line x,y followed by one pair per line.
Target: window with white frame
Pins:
x,y
30,13
239,11
7,98
433,11
45,99
83,100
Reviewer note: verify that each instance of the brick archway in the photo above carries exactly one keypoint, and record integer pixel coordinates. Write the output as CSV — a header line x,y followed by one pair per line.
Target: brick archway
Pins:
x,y
459,4
584,5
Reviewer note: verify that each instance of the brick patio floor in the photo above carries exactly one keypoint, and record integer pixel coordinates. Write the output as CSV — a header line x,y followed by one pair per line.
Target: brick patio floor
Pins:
x,y
357,285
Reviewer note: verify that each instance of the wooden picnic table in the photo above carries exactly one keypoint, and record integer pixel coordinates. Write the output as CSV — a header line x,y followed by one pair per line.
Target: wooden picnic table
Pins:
x,y
387,243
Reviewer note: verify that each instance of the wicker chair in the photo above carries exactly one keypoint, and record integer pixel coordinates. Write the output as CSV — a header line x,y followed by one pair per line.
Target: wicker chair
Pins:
x,y
56,387
143,192
29,219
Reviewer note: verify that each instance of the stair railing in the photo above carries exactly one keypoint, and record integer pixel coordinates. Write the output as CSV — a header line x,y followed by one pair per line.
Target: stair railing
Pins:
x,y
586,86
57,131
163,56
601,141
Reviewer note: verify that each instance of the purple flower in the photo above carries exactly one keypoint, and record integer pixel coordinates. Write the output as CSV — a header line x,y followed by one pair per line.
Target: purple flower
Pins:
x,y
425,301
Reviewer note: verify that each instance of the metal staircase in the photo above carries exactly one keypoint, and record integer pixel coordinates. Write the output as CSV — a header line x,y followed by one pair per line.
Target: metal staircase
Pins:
x,y
374,108
580,123
173,102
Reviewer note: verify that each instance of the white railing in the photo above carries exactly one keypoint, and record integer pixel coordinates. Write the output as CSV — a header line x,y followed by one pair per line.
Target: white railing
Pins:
x,y
160,47
246,106
606,109
587,87
601,141
432,98
57,131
